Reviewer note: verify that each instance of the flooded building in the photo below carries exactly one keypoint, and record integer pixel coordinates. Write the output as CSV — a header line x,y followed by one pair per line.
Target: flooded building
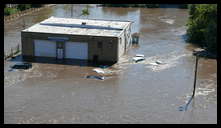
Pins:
x,y
84,39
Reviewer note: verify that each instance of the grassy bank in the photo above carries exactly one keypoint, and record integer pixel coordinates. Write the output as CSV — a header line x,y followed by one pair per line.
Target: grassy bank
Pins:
x,y
10,11
20,7
18,13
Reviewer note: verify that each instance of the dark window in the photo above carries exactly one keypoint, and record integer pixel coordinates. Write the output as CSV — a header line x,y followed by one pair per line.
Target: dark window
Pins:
x,y
99,44
95,58
59,44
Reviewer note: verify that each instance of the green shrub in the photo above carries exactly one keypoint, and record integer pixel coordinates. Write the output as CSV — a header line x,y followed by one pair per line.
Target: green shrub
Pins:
x,y
192,9
22,7
211,37
85,12
152,5
202,26
183,6
36,5
9,11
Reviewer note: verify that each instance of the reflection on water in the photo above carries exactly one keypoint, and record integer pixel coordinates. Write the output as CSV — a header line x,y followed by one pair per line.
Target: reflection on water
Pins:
x,y
133,93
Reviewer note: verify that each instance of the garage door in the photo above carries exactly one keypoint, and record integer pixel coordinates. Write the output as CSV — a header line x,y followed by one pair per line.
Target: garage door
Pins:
x,y
76,50
45,48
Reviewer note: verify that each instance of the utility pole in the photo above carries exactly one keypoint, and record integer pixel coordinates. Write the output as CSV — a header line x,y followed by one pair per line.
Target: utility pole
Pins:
x,y
196,52
195,76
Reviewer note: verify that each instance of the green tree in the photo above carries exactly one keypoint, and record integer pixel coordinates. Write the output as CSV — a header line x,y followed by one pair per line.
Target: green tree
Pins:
x,y
202,26
85,12
183,6
36,5
9,11
192,8
152,5
22,7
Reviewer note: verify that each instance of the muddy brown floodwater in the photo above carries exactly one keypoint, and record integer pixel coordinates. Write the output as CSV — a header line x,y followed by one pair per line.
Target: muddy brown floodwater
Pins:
x,y
140,92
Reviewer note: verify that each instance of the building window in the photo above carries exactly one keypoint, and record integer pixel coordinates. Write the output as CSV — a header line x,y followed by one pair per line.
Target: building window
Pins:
x,y
59,44
99,44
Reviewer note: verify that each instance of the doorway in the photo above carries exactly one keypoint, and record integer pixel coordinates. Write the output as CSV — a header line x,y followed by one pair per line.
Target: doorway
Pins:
x,y
95,58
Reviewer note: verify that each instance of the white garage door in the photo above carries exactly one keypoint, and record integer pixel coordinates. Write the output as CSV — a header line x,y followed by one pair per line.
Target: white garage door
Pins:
x,y
45,48
75,50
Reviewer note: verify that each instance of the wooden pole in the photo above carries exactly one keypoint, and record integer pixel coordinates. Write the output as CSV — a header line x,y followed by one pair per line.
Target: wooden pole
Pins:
x,y
195,76
194,87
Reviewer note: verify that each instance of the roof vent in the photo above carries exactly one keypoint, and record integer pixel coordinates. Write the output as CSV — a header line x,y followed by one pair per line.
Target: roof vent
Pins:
x,y
83,23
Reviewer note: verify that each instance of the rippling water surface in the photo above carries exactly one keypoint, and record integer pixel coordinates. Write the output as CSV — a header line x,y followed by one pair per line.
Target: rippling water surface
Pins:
x,y
143,92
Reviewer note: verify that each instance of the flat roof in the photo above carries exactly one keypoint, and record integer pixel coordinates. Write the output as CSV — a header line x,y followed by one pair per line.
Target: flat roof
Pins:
x,y
92,27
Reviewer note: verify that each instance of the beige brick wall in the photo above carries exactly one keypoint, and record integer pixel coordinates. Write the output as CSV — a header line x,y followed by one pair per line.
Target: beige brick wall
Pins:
x,y
108,52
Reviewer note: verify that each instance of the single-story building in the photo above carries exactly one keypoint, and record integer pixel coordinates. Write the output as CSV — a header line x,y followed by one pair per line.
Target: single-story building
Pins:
x,y
84,39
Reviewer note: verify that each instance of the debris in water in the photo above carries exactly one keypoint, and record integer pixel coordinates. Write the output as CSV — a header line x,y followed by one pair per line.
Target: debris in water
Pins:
x,y
137,59
10,70
166,19
204,91
156,63
159,62
139,55
181,108
169,21
98,70
198,50
95,77
153,64
22,65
